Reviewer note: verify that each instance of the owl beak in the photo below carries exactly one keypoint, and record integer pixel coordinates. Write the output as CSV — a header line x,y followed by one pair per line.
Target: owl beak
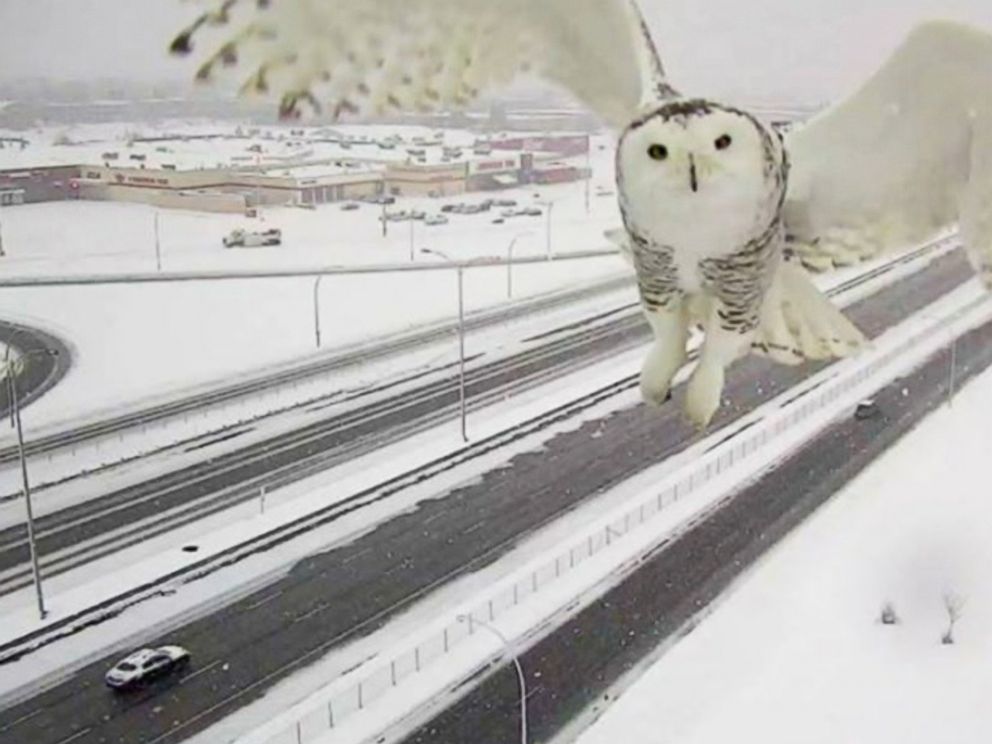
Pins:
x,y
693,175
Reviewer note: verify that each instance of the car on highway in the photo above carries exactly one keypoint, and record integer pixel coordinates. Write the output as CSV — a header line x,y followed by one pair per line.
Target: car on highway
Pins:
x,y
866,409
252,239
145,665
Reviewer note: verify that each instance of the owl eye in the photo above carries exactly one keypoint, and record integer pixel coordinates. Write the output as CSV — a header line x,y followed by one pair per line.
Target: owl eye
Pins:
x,y
657,152
723,142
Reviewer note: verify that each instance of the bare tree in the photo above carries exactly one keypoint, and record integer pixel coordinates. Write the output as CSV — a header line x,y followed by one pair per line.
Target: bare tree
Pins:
x,y
954,604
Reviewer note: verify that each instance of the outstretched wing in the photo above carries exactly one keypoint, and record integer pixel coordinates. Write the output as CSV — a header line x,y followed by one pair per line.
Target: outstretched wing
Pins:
x,y
368,57
906,156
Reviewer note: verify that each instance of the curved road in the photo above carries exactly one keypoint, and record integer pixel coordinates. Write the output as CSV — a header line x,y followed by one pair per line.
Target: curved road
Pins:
x,y
330,598
48,362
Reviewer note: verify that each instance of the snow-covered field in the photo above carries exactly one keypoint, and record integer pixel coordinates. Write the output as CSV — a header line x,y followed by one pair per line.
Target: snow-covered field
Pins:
x,y
135,342
796,652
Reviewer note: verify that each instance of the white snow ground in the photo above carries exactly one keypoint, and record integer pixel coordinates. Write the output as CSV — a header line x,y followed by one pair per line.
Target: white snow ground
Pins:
x,y
132,343
796,652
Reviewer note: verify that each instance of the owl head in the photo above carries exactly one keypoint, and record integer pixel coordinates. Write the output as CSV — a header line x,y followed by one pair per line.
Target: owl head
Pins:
x,y
693,160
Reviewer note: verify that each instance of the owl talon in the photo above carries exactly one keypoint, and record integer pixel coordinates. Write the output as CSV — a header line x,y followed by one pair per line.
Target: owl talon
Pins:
x,y
653,395
703,394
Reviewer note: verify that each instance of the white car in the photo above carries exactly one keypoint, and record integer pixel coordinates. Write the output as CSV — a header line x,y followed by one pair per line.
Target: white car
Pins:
x,y
436,219
146,664
252,239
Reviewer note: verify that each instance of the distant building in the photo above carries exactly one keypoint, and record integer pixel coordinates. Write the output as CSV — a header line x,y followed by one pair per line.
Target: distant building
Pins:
x,y
422,179
30,185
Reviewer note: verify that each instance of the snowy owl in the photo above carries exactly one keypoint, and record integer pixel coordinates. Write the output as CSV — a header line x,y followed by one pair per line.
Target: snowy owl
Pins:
x,y
721,216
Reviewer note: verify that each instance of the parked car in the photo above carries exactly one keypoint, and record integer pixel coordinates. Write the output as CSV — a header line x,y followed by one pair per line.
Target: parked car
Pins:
x,y
349,207
504,202
417,214
449,208
436,219
145,665
531,212
252,239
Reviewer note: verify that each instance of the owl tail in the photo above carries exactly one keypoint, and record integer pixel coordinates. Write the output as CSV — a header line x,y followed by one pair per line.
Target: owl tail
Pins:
x,y
799,323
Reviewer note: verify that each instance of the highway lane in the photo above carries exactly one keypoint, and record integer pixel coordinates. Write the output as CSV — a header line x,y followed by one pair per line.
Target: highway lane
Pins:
x,y
570,672
93,528
48,362
345,593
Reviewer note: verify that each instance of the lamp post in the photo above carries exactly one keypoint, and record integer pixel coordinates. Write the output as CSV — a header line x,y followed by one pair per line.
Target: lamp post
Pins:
x,y
412,255
588,178
158,246
521,680
549,205
461,336
316,309
12,388
509,263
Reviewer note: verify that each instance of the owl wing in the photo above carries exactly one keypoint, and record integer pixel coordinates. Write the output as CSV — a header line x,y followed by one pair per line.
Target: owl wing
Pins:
x,y
906,156
369,57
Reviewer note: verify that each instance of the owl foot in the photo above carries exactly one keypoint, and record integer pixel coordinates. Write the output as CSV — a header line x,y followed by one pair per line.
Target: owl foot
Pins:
x,y
703,394
654,396
662,362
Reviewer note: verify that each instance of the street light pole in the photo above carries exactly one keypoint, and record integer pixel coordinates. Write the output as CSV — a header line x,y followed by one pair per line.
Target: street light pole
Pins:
x,y
158,246
12,387
953,372
550,205
412,222
316,309
461,349
509,264
521,680
588,171
461,339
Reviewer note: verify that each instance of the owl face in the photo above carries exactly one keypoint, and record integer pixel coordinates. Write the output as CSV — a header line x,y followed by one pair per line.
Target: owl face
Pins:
x,y
694,168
